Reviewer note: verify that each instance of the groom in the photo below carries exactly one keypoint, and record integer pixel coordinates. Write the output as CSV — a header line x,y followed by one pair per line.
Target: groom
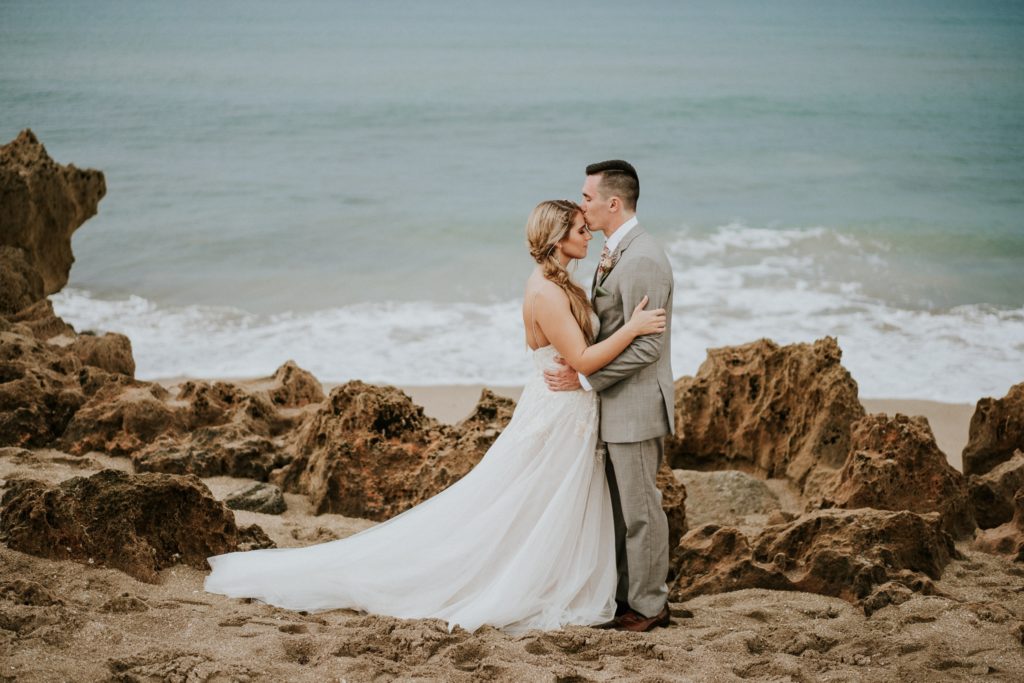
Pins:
x,y
636,390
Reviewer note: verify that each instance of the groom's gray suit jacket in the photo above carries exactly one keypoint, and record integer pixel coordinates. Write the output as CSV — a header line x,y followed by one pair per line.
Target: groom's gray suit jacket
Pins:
x,y
636,389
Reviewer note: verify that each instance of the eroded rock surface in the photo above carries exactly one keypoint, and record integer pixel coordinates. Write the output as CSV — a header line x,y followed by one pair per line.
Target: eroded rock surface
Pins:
x,y
139,524
41,204
361,454
120,419
849,554
894,464
996,431
1006,539
774,411
39,391
992,493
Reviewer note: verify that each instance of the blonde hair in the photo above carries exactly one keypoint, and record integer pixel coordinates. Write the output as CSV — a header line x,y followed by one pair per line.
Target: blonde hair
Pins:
x,y
549,224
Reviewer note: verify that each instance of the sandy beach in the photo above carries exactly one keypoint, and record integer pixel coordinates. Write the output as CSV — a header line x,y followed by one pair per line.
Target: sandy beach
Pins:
x,y
813,535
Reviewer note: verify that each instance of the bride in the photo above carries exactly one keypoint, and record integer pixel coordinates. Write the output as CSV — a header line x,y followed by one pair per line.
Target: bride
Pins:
x,y
525,539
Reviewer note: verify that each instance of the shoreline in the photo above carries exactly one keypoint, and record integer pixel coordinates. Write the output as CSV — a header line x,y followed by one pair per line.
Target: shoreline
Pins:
x,y
451,403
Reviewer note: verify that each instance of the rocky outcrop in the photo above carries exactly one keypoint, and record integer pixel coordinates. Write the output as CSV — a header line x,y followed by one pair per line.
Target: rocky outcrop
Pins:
x,y
996,431
39,391
41,204
894,464
39,321
992,493
770,410
1006,539
232,429
362,452
120,419
855,555
139,524
292,387
111,352
20,283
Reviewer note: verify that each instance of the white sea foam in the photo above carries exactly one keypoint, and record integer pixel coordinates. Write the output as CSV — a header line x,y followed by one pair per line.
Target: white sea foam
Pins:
x,y
732,286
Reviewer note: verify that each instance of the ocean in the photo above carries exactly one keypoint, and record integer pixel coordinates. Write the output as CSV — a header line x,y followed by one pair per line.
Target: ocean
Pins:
x,y
346,184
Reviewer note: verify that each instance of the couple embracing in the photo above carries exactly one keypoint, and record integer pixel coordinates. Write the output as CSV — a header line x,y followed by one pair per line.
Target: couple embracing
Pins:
x,y
561,521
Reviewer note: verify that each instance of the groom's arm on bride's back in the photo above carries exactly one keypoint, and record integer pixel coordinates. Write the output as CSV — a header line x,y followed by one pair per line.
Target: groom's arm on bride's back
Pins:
x,y
644,276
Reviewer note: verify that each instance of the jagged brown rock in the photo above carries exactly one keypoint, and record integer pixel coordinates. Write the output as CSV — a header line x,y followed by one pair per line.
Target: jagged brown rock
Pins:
x,y
992,493
139,524
1006,539
849,554
41,204
292,387
895,464
120,419
770,410
40,321
996,431
20,283
111,352
39,391
360,453
237,430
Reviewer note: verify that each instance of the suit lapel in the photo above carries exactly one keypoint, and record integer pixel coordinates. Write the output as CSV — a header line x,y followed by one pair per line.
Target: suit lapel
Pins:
x,y
617,254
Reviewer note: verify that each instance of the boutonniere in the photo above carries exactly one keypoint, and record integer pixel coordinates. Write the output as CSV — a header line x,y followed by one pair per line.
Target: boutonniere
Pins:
x,y
607,262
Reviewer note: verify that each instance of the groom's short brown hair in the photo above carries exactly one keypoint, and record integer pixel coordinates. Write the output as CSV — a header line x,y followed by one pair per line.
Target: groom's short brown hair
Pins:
x,y
618,179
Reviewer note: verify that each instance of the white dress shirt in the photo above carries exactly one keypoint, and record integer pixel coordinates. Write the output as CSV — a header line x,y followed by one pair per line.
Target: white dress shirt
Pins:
x,y
612,243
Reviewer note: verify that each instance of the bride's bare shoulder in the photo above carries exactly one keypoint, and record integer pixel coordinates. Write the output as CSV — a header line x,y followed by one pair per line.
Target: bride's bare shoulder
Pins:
x,y
544,290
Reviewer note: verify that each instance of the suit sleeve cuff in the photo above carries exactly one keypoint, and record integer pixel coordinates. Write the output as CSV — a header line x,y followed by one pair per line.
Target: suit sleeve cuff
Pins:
x,y
584,383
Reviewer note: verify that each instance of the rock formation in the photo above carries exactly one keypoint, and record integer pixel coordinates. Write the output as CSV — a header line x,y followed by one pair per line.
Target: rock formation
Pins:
x,y
41,204
1007,539
20,283
894,464
367,452
997,430
139,524
120,419
849,554
992,493
768,410
39,390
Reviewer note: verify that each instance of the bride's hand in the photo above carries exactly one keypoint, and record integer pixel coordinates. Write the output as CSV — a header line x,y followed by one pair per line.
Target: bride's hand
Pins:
x,y
647,322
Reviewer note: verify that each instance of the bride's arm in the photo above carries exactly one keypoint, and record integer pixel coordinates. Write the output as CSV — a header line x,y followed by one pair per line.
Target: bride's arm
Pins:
x,y
560,327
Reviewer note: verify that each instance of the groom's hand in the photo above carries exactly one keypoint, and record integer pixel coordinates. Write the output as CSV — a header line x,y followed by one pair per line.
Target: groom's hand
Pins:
x,y
562,379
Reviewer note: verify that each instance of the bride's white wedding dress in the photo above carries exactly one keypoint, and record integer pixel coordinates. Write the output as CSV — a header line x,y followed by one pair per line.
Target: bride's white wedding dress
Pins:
x,y
525,540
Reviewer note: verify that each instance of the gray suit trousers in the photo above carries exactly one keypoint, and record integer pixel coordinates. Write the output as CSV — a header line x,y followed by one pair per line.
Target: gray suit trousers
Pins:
x,y
641,527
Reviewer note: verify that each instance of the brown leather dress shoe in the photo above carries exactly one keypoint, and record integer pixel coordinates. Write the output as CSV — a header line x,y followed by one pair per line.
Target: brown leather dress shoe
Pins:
x,y
638,623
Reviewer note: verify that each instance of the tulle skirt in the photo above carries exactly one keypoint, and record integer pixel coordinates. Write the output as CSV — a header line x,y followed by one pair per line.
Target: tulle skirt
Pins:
x,y
525,540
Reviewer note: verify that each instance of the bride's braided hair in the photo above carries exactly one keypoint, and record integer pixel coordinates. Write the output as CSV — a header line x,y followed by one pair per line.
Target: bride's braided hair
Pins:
x,y
549,224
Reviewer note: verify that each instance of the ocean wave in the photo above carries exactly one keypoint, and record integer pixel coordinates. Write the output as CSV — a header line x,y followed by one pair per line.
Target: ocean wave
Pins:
x,y
734,285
